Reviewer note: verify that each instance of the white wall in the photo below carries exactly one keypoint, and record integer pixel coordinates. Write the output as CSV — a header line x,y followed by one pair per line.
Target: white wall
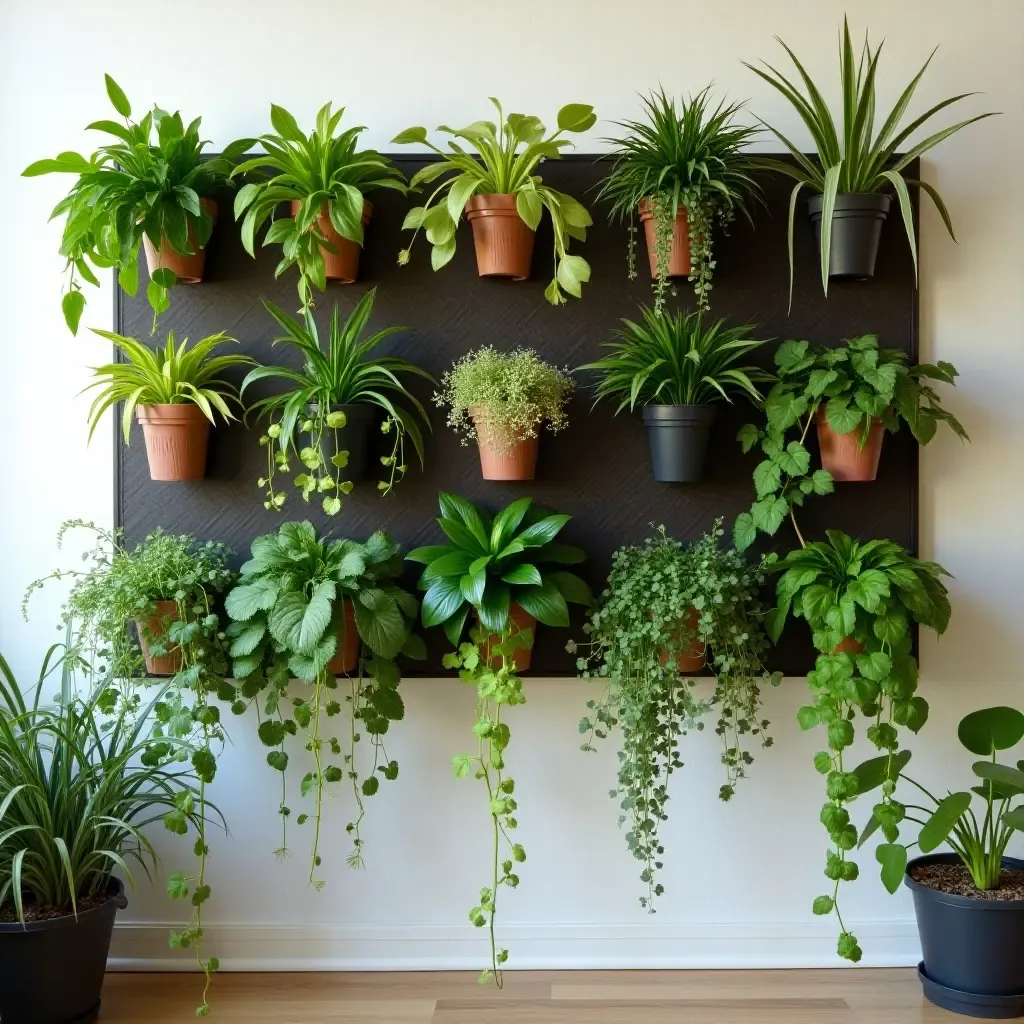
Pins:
x,y
740,877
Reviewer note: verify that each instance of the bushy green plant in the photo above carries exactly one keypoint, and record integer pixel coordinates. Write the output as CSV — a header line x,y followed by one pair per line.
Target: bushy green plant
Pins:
x,y
288,619
318,170
662,599
518,389
342,372
853,158
506,158
691,157
132,188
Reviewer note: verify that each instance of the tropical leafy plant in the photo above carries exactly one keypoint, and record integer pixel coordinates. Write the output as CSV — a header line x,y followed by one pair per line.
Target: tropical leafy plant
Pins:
x,y
688,156
660,600
133,188
505,163
342,372
853,158
519,390
860,601
318,170
288,617
674,359
167,375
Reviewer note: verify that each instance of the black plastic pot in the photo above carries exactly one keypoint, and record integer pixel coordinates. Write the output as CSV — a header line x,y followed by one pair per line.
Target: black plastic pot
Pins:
x,y
356,437
678,435
51,972
856,230
973,948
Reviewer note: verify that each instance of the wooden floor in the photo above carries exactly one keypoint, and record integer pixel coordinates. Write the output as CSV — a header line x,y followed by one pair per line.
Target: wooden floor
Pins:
x,y
533,997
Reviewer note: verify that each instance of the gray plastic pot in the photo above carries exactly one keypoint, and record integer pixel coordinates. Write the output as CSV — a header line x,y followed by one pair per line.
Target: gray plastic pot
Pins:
x,y
678,436
856,231
973,948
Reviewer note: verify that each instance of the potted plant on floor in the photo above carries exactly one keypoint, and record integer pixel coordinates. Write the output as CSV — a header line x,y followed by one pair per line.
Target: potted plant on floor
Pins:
x,y
683,170
669,610
855,171
324,178
136,191
676,368
502,197
501,400
327,613
335,400
174,392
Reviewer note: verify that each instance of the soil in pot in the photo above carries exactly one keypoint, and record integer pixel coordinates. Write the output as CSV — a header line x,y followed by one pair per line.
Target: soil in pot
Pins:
x,y
679,261
177,437
346,657
187,269
856,231
500,457
342,264
503,240
522,656
678,438
153,626
693,658
842,455
356,437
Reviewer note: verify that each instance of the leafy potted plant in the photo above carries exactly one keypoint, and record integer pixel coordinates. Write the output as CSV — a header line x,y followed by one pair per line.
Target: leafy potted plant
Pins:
x,y
856,169
315,610
335,399
325,178
502,197
161,194
683,169
668,610
501,399
173,391
676,368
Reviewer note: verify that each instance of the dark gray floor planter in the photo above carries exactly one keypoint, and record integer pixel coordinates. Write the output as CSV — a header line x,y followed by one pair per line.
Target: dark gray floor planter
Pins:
x,y
678,436
856,231
973,948
51,972
356,437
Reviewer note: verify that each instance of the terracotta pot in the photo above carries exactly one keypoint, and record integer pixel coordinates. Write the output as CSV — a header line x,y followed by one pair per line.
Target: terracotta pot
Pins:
x,y
346,658
504,242
848,645
176,440
693,658
187,269
679,247
522,656
841,454
498,460
342,265
162,664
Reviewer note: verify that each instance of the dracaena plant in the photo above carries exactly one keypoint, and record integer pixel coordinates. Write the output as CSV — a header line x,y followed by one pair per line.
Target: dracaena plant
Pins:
x,y
852,157
131,188
691,156
857,384
296,598
342,371
860,601
322,171
506,158
660,599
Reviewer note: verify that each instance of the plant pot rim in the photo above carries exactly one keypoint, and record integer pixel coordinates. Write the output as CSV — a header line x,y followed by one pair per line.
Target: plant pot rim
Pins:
x,y
644,209
117,897
367,207
872,201
659,412
965,902
162,412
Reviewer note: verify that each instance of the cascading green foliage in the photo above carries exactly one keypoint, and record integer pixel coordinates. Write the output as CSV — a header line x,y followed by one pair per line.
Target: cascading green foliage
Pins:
x,y
860,601
133,188
501,167
166,375
343,372
674,359
856,383
853,158
288,621
691,157
661,599
320,170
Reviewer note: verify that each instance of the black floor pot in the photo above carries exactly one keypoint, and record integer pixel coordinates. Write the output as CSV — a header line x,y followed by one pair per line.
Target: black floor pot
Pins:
x,y
678,435
856,230
51,972
357,437
973,948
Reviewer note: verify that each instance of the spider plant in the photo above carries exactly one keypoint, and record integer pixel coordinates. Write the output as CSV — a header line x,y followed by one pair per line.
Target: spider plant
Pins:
x,y
323,169
856,159
341,372
688,156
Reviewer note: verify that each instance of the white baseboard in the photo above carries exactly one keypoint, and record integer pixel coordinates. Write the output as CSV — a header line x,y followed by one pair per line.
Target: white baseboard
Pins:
x,y
270,947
